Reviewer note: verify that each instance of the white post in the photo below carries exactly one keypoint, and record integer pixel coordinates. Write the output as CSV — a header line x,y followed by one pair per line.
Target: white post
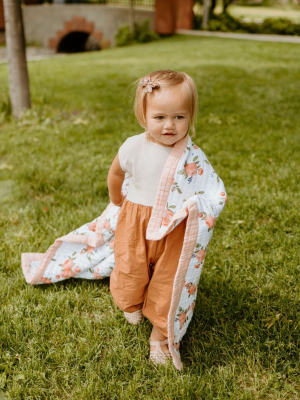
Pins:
x,y
131,15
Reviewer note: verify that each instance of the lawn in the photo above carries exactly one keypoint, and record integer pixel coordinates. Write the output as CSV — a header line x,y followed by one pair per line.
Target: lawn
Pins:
x,y
69,341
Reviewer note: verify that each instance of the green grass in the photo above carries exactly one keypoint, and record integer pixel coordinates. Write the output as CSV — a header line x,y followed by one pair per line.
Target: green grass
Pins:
x,y
69,341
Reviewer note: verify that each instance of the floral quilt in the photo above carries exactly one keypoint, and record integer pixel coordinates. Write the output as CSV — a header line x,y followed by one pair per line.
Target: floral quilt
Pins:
x,y
189,188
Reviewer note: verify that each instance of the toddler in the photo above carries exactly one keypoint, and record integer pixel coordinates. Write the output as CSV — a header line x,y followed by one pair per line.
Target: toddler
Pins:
x,y
152,243
142,280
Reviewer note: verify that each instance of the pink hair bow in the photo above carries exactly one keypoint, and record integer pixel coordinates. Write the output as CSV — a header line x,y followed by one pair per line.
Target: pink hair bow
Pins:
x,y
148,85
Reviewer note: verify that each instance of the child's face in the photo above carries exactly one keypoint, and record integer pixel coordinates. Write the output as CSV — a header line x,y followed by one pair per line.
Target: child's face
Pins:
x,y
167,115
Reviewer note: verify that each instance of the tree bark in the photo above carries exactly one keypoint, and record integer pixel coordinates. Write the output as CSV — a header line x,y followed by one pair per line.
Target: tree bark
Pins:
x,y
15,45
205,14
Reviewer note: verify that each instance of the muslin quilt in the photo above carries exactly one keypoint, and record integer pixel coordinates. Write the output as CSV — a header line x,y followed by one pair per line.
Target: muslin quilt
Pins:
x,y
189,188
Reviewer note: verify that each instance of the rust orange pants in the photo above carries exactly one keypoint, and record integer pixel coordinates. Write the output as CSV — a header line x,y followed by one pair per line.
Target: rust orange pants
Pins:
x,y
145,269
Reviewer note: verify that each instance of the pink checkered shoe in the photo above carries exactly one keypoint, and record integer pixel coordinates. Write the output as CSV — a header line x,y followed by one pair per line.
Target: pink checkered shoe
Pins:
x,y
135,317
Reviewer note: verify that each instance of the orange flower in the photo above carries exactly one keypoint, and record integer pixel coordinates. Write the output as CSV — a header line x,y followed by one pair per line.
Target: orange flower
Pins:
x,y
197,266
92,226
191,169
182,318
195,147
89,249
192,289
45,280
200,256
222,194
67,274
111,244
200,171
107,225
67,265
200,215
168,214
210,221
97,276
57,277
77,270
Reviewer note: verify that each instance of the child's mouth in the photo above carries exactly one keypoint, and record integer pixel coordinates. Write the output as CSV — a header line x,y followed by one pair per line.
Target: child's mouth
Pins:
x,y
169,134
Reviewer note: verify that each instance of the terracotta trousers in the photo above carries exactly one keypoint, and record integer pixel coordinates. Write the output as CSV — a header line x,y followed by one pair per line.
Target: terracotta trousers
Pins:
x,y
145,269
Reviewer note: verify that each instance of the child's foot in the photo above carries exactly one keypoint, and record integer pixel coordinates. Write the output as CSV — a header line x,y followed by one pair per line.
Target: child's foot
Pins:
x,y
135,317
159,352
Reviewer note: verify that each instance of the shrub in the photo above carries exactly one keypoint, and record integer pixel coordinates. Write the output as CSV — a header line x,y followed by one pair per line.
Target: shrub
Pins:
x,y
141,34
124,36
226,23
281,26
5,110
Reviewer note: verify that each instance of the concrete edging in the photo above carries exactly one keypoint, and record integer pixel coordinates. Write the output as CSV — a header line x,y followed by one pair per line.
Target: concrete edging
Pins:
x,y
242,36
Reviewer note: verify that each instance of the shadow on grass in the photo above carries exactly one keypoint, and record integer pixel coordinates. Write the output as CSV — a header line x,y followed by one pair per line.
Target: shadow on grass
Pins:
x,y
231,323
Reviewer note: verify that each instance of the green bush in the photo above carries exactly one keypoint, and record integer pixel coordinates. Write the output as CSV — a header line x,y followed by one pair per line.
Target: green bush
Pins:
x,y
124,36
281,26
226,23
141,34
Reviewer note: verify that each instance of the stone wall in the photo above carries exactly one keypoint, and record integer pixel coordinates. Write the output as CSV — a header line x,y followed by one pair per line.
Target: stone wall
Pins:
x,y
46,24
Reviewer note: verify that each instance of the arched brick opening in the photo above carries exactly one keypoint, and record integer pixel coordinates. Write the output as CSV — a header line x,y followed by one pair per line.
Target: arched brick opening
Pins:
x,y
77,30
77,42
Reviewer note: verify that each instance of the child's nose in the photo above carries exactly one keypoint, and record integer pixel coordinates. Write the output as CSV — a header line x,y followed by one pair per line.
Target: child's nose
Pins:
x,y
169,124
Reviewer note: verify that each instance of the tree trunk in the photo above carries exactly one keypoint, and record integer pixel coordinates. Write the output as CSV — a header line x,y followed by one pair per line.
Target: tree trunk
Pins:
x,y
205,14
15,45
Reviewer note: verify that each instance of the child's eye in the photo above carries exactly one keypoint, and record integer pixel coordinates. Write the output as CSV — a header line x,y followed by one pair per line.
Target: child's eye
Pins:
x,y
179,117
160,117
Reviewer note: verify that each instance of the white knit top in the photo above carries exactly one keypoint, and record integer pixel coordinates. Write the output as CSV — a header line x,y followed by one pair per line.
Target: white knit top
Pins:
x,y
144,161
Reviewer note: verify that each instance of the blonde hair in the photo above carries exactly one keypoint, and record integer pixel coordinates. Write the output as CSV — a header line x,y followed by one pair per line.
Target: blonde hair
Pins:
x,y
166,78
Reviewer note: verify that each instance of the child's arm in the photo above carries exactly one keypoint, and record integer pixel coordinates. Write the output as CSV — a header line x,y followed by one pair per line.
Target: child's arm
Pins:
x,y
115,180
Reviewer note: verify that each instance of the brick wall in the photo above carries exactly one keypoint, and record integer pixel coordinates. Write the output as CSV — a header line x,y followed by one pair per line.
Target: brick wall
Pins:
x,y
1,15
